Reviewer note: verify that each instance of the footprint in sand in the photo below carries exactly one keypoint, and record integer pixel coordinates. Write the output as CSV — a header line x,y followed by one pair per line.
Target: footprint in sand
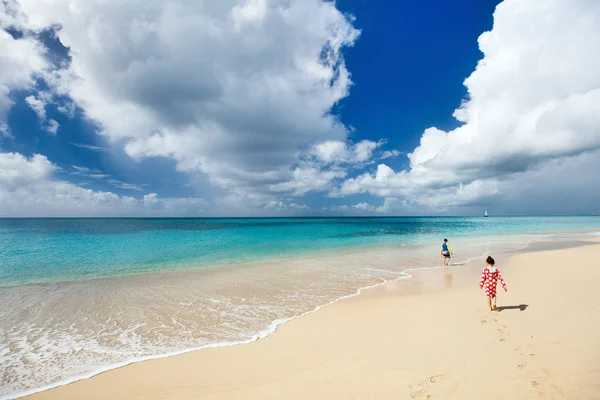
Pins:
x,y
483,321
521,366
548,380
435,378
504,337
418,391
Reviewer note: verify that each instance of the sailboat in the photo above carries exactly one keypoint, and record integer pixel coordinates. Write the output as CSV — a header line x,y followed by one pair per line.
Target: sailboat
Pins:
x,y
485,214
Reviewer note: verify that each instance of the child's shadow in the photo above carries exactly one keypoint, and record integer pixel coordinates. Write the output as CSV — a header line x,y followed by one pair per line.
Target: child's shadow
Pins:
x,y
521,307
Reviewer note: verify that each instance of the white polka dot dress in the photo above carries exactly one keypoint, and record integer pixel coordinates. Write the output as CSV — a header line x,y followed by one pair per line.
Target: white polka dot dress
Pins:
x,y
489,280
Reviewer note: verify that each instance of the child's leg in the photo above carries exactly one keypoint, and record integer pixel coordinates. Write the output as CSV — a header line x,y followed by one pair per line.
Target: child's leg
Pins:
x,y
494,303
489,302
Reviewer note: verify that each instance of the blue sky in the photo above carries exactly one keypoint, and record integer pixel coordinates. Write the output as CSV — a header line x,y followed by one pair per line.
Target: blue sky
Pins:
x,y
409,65
303,108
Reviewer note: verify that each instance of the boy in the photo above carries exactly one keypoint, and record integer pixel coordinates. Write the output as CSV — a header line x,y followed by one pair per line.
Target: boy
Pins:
x,y
446,253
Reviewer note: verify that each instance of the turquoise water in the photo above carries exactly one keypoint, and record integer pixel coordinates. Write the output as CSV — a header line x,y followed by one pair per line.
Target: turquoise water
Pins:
x,y
43,250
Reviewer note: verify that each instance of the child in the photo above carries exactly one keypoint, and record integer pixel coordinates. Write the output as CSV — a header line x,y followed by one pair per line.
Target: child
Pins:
x,y
489,280
446,254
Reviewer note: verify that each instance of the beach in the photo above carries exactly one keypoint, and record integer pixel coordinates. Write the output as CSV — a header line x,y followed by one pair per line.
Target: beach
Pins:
x,y
84,296
421,338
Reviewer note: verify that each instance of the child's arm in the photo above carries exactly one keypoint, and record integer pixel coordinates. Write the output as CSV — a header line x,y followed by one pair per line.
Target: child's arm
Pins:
x,y
502,281
482,280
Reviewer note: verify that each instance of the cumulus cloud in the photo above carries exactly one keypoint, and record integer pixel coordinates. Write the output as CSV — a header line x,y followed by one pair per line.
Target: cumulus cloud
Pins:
x,y
281,205
234,89
150,198
356,209
533,99
364,206
325,164
22,60
561,186
28,187
243,91
305,179
337,151
17,171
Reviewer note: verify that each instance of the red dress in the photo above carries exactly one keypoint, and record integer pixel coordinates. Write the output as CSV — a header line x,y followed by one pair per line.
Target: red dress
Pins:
x,y
489,280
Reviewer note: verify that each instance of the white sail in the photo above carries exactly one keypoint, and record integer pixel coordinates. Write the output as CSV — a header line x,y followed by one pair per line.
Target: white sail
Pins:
x,y
486,214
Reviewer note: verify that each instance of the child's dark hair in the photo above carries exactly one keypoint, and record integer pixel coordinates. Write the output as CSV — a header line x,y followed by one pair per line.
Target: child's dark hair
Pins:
x,y
445,240
490,260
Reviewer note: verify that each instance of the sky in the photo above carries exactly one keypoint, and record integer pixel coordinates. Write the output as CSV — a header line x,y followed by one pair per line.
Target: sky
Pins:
x,y
299,108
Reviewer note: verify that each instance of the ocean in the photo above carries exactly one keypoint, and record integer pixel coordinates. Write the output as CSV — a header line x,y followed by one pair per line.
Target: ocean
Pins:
x,y
82,296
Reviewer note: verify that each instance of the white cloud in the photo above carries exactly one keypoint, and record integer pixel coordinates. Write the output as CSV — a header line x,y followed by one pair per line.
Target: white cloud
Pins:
x,y
88,146
38,106
390,154
16,170
101,176
364,206
332,150
337,151
88,173
252,11
252,110
84,169
28,187
359,208
533,98
21,61
150,198
323,165
305,179
241,110
281,205
363,150
51,127
125,185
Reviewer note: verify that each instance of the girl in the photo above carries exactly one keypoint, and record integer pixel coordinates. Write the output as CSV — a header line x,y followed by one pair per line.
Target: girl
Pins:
x,y
489,280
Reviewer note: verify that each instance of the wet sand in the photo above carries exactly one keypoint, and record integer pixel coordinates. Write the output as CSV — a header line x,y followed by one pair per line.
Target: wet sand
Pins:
x,y
425,338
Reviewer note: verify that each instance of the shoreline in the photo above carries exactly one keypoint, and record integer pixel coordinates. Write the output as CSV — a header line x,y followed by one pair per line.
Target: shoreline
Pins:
x,y
277,324
272,328
342,250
